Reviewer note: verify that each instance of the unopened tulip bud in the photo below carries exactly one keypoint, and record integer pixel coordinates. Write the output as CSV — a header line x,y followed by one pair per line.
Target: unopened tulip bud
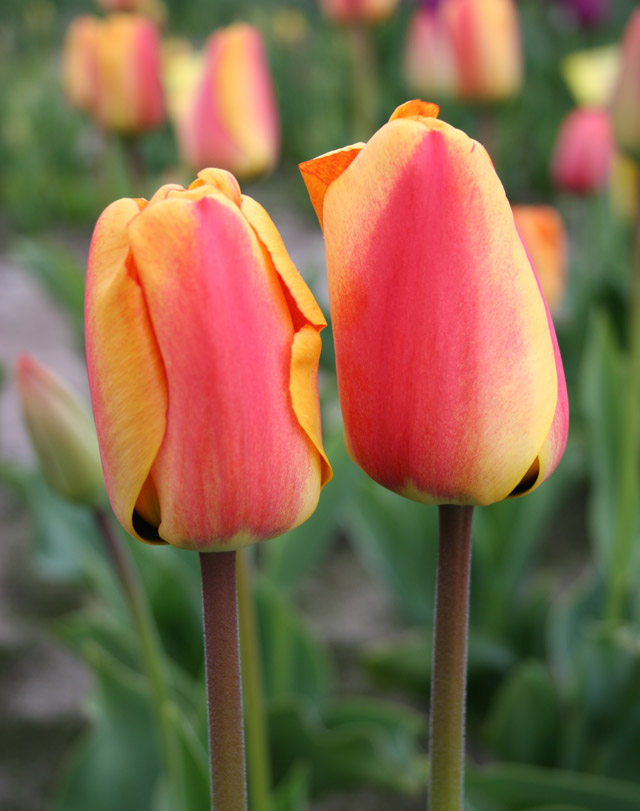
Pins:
x,y
429,59
359,11
62,434
486,40
545,238
202,348
583,151
224,105
626,98
449,374
79,68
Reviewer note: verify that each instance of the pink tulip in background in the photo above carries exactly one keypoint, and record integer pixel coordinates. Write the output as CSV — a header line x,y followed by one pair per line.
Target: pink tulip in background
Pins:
x,y
449,374
429,57
583,151
350,11
202,348
226,115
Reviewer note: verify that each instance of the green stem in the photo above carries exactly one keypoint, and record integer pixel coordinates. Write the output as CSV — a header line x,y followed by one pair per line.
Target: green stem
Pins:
x,y
259,770
449,672
224,691
365,81
151,651
618,581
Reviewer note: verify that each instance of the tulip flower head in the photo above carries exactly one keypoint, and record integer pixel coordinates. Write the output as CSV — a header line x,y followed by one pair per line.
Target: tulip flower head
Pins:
x,y
626,97
202,348
488,52
429,57
359,11
589,13
583,151
226,115
545,238
450,379
62,433
111,70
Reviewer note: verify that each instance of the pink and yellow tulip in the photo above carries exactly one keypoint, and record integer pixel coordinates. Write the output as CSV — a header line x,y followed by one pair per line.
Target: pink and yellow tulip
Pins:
x,y
429,59
227,115
545,238
111,70
583,151
450,379
626,98
488,52
202,347
359,11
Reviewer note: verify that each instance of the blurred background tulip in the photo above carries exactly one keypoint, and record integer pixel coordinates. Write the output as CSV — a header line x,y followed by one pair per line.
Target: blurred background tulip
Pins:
x,y
224,105
583,151
153,9
429,59
545,237
626,97
486,41
591,75
427,286
365,11
588,13
62,434
79,64
192,299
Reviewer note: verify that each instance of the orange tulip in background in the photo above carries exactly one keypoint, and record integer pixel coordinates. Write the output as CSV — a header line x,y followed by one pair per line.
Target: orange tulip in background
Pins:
x,y
62,433
485,35
225,110
450,379
626,97
111,69
429,58
545,238
583,151
202,348
351,11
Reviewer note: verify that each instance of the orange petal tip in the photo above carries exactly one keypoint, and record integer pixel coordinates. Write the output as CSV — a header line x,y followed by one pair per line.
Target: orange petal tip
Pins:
x,y
319,173
416,109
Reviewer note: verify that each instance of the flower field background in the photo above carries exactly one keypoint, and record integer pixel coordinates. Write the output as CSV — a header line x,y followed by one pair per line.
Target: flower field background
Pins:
x,y
344,602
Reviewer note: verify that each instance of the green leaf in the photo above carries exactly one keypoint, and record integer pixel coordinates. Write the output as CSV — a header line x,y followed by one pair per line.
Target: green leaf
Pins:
x,y
519,787
525,716
361,748
292,792
118,763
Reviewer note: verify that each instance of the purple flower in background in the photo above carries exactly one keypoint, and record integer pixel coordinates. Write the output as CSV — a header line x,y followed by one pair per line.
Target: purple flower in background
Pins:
x,y
588,12
429,3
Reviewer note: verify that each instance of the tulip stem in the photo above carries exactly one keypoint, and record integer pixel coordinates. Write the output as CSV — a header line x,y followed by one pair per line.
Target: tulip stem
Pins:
x,y
224,691
449,671
624,532
257,748
151,651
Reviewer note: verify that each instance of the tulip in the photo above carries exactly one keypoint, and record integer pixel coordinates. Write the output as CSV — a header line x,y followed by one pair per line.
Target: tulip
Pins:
x,y
545,238
626,98
588,12
486,41
228,117
202,347
79,69
591,75
429,62
128,93
450,379
583,152
62,433
359,11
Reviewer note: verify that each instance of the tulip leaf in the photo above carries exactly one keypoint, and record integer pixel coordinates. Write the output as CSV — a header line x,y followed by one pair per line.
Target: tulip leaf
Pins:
x,y
358,744
518,787
398,541
292,792
524,719
117,763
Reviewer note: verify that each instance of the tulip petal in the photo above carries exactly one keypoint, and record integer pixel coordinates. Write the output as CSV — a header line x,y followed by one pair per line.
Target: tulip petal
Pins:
x,y
256,469
126,374
446,366
416,108
320,172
